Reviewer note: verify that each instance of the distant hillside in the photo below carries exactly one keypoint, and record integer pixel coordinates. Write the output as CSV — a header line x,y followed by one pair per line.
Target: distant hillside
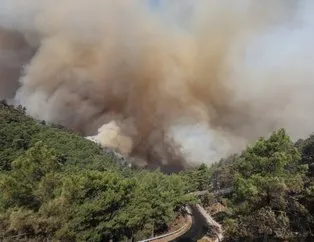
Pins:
x,y
19,133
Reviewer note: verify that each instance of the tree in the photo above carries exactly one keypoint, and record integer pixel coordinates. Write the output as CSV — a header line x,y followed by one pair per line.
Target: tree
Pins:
x,y
306,148
97,201
156,199
268,181
19,184
198,179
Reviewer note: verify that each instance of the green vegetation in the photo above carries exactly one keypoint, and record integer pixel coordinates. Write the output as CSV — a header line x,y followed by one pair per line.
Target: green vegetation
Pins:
x,y
273,191
55,184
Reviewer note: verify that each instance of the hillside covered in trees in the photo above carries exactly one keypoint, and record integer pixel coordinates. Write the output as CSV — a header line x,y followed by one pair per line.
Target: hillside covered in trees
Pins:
x,y
57,185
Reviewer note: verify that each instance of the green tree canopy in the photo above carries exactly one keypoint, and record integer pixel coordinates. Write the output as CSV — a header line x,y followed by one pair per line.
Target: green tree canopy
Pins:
x,y
269,181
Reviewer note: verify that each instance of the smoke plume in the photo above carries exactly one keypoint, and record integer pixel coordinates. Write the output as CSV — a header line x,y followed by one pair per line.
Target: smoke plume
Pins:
x,y
176,83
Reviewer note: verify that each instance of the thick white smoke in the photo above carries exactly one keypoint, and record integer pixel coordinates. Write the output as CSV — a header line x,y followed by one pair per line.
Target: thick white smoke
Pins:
x,y
174,82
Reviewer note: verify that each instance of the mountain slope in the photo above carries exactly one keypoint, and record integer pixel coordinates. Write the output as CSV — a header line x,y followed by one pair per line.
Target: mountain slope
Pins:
x,y
55,184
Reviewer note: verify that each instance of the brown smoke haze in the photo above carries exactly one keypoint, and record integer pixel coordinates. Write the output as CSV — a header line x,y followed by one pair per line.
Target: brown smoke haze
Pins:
x,y
177,84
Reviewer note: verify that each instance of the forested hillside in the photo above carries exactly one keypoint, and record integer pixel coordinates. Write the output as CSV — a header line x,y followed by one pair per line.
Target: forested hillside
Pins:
x,y
57,185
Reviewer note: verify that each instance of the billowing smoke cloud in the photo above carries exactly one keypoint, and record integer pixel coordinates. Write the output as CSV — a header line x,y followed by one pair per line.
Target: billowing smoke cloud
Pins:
x,y
14,52
174,82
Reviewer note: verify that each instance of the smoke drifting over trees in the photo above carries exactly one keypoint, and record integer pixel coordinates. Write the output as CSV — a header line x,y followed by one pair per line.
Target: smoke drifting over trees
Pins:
x,y
182,82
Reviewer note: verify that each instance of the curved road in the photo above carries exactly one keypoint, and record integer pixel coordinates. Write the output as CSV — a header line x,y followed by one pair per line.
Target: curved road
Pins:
x,y
198,229
202,222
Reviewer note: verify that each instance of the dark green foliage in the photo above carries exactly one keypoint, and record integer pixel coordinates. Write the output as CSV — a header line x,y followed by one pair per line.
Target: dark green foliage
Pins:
x,y
19,132
223,173
198,179
57,185
268,198
306,148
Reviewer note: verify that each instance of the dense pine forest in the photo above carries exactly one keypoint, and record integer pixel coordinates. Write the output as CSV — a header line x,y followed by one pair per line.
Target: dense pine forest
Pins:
x,y
57,185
